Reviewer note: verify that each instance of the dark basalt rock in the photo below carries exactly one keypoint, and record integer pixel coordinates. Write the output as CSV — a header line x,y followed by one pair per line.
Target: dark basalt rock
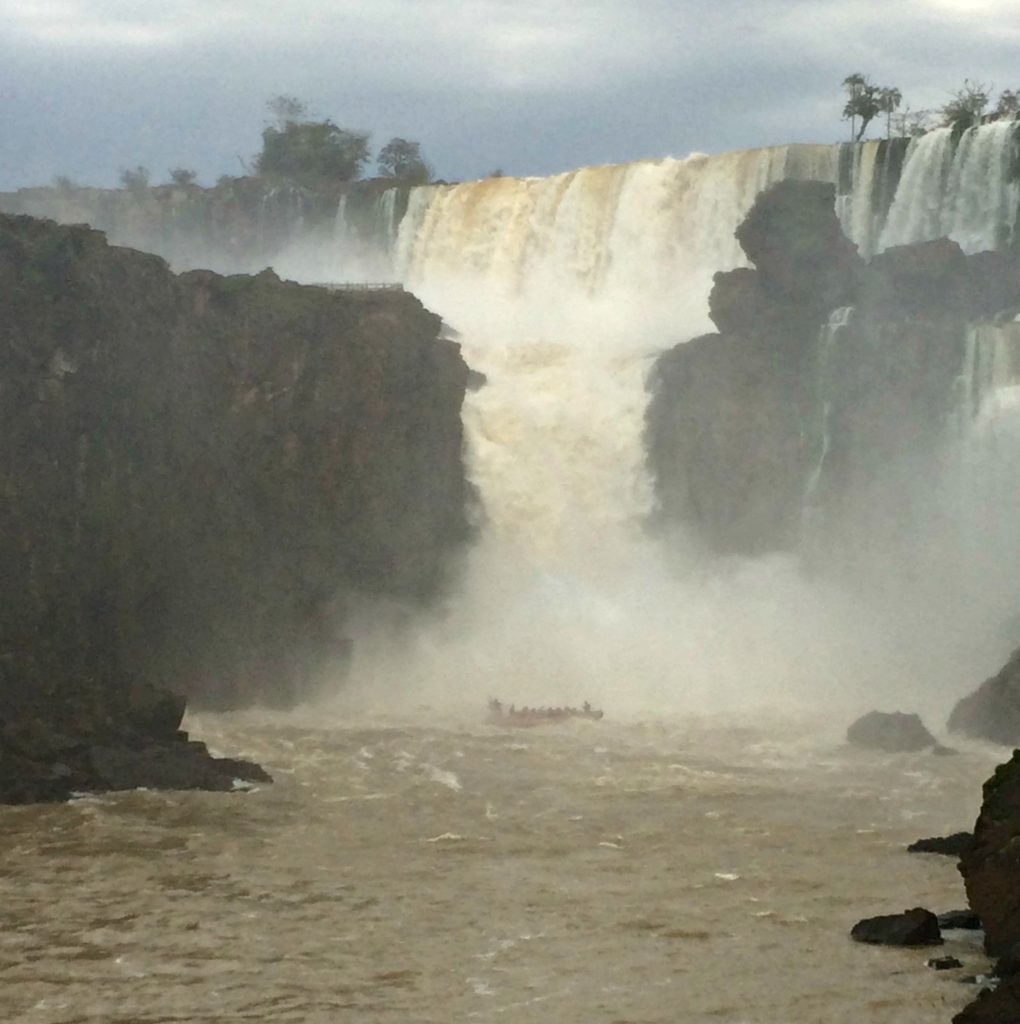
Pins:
x,y
943,963
955,845
1008,963
793,236
803,426
890,731
991,867
992,711
200,474
1000,1005
917,281
965,919
916,927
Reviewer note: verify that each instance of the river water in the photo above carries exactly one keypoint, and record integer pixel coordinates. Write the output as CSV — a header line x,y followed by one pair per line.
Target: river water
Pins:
x,y
429,867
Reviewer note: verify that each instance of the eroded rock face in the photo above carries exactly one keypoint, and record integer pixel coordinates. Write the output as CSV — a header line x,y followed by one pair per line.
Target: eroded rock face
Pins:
x,y
793,237
991,867
992,711
816,420
199,474
890,731
917,927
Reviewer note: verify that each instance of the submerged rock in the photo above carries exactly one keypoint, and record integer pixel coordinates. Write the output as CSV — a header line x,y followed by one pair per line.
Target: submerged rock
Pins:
x,y
890,731
955,845
943,963
992,711
916,927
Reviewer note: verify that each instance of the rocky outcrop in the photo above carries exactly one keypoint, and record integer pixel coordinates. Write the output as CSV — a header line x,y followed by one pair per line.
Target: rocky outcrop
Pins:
x,y
891,731
817,418
955,845
992,711
917,927
199,474
991,867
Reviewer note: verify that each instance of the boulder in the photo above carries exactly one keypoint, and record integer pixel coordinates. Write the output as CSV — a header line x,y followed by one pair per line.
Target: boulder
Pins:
x,y
890,731
955,845
992,711
991,866
943,963
916,927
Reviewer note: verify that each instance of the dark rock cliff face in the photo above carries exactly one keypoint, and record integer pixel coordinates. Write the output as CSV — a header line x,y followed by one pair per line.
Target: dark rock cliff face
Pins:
x,y
992,711
805,413
991,865
199,472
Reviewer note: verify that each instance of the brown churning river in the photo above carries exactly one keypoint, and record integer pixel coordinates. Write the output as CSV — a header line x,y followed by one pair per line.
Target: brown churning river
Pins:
x,y
646,872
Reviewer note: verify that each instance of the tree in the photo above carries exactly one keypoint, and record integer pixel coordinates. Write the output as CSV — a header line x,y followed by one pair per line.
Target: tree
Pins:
x,y
62,183
401,158
287,110
308,153
967,106
853,85
862,102
135,179
889,100
1008,104
182,176
913,123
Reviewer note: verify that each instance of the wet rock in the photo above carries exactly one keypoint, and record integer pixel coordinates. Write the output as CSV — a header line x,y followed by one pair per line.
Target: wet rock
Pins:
x,y
793,237
1008,964
992,711
890,731
943,963
201,475
991,866
999,1005
954,845
916,927
965,919
920,281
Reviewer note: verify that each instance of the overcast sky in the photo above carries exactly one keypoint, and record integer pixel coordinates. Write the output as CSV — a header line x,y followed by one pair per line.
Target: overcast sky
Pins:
x,y
88,87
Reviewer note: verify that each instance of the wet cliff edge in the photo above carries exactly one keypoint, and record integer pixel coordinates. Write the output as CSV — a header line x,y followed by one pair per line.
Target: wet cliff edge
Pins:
x,y
200,475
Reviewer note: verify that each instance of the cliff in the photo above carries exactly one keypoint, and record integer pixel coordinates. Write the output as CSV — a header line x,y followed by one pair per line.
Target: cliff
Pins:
x,y
199,473
825,402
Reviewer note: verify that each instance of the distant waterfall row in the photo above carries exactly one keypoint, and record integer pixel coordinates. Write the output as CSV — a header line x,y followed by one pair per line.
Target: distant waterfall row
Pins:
x,y
640,228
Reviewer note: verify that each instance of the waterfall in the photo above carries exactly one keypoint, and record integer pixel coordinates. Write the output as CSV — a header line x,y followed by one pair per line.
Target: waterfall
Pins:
x,y
636,232
965,190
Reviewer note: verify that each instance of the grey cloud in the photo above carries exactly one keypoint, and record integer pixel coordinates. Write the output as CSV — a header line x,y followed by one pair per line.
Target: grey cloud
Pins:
x,y
528,86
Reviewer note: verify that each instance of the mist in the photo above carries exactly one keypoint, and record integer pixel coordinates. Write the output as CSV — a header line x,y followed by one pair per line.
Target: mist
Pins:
x,y
568,594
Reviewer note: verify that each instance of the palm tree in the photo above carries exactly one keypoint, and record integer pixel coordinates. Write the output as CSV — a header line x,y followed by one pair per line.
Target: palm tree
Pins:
x,y
853,84
889,100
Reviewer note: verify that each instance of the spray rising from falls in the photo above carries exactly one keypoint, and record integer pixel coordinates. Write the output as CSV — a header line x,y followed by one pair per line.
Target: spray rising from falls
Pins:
x,y
563,290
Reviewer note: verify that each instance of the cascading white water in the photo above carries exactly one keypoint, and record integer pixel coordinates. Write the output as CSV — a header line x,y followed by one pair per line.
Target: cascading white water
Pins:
x,y
965,192
562,291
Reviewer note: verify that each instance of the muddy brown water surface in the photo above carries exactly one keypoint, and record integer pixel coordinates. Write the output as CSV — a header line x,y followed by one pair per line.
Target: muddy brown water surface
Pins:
x,y
639,872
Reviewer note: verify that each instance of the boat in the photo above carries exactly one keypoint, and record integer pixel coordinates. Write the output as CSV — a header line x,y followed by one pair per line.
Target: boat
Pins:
x,y
525,717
